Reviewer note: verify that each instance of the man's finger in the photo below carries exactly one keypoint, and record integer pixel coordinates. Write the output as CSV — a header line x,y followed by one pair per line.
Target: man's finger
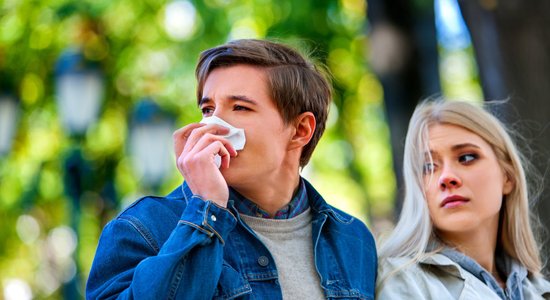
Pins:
x,y
208,139
196,134
181,136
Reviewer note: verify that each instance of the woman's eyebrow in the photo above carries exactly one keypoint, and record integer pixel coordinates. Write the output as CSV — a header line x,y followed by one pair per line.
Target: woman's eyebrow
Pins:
x,y
453,148
464,145
431,153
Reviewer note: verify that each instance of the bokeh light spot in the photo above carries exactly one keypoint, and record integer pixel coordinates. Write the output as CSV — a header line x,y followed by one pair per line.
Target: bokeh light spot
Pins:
x,y
17,289
28,229
179,20
32,88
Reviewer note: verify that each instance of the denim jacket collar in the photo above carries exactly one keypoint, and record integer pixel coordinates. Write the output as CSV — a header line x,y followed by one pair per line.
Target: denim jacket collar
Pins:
x,y
320,206
316,201
515,272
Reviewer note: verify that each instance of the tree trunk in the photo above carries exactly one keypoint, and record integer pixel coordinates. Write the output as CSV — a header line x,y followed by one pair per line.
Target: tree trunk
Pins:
x,y
403,54
512,45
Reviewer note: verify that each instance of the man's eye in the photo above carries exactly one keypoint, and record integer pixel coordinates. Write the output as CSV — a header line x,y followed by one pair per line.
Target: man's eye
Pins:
x,y
467,158
239,107
206,110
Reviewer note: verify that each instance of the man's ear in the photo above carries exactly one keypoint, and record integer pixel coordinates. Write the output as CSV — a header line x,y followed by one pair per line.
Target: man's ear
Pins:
x,y
304,127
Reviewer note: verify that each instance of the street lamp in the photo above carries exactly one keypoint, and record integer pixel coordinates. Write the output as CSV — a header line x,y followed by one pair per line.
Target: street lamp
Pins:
x,y
151,143
9,108
79,90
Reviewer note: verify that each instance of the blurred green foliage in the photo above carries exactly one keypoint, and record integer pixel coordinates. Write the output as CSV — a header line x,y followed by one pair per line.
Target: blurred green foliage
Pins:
x,y
142,55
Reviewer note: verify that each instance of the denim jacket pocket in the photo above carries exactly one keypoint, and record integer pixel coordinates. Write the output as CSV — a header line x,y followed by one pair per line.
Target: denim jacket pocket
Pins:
x,y
231,284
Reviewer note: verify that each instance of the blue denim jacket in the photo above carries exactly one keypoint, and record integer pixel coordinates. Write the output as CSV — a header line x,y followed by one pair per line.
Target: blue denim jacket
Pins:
x,y
181,247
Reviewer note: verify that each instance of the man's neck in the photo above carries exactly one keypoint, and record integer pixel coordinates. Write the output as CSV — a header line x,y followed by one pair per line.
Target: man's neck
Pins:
x,y
272,193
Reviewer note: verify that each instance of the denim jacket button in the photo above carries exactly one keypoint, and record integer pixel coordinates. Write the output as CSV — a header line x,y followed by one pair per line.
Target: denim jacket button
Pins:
x,y
263,261
213,218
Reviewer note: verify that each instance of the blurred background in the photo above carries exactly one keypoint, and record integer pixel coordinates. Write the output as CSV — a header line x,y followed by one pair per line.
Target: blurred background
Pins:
x,y
91,91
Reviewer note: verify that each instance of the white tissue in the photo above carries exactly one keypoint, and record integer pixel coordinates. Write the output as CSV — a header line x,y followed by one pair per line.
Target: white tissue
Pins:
x,y
235,136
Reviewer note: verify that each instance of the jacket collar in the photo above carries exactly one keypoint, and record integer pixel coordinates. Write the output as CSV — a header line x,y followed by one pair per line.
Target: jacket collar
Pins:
x,y
541,285
444,263
320,206
316,201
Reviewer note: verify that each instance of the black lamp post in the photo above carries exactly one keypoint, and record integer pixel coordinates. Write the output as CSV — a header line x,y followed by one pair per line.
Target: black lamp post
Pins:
x,y
79,89
9,110
151,143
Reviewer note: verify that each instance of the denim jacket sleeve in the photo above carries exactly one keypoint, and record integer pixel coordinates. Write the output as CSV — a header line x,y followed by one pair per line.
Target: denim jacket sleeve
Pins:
x,y
131,263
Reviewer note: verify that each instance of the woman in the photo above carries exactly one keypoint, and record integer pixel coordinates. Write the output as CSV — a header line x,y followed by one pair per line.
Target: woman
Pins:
x,y
464,230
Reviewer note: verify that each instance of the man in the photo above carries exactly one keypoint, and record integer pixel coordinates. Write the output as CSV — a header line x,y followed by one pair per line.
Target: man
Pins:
x,y
250,227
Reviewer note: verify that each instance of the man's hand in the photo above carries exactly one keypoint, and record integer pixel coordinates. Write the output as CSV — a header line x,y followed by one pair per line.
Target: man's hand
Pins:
x,y
196,146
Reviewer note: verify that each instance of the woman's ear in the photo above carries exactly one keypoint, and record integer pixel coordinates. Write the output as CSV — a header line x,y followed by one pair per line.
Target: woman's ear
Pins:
x,y
508,185
304,127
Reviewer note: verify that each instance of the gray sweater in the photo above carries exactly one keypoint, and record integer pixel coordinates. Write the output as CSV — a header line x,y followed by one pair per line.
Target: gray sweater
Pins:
x,y
290,243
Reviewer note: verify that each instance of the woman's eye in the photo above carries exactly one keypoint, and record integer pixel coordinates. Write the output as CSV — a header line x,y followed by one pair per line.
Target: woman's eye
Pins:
x,y
428,168
466,158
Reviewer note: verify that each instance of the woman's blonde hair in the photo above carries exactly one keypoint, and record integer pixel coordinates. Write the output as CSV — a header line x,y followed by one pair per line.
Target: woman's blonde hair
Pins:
x,y
414,231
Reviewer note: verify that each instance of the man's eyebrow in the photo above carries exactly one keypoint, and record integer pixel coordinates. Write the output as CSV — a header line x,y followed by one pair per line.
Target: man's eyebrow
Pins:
x,y
231,97
242,98
204,100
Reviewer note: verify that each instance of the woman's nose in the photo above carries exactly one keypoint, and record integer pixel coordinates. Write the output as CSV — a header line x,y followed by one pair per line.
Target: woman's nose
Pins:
x,y
449,179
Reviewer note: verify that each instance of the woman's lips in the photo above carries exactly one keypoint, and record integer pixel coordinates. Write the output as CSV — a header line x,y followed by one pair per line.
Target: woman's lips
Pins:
x,y
453,201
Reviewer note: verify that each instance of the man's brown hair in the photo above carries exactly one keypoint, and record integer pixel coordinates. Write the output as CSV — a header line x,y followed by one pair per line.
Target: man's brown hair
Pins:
x,y
295,83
